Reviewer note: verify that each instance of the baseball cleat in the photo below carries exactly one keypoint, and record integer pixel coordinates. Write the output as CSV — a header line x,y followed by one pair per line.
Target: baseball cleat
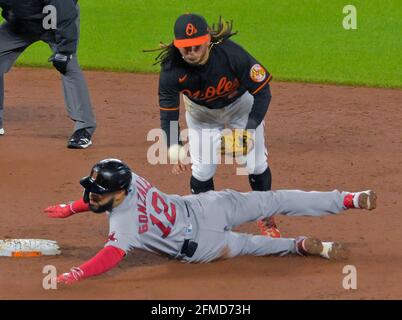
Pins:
x,y
367,200
361,200
315,247
80,139
269,228
2,131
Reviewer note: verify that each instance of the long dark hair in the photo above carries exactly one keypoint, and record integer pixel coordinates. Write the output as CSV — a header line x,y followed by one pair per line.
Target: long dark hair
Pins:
x,y
219,32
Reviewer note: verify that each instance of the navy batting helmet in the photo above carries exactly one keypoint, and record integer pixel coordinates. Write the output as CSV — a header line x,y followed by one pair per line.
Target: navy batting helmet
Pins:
x,y
107,176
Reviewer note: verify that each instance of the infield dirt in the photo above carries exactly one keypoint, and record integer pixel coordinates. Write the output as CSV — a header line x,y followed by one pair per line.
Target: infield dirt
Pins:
x,y
320,137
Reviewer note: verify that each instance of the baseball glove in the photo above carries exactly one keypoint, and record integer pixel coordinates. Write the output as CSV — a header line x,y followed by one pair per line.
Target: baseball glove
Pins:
x,y
237,143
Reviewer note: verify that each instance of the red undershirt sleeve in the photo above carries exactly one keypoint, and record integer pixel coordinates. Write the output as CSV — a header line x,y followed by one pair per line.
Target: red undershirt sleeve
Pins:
x,y
103,261
79,206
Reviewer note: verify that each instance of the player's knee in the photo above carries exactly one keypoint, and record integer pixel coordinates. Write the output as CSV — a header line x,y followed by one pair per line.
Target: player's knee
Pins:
x,y
203,172
198,186
261,182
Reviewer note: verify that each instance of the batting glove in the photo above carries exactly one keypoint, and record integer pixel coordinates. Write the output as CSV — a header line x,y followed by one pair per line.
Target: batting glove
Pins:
x,y
75,275
60,211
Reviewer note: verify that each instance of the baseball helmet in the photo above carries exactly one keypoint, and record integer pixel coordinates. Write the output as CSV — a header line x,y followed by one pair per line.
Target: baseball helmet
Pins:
x,y
107,176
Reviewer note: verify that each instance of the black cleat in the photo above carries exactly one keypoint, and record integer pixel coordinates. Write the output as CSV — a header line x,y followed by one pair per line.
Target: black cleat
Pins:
x,y
80,139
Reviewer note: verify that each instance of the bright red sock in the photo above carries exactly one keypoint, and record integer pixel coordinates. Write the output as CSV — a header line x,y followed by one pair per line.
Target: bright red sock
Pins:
x,y
348,201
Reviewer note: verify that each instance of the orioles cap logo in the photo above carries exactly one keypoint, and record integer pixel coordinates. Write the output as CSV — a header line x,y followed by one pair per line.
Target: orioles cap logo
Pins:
x,y
190,30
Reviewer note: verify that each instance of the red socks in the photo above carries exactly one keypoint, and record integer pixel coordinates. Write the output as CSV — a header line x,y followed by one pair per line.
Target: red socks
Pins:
x,y
348,201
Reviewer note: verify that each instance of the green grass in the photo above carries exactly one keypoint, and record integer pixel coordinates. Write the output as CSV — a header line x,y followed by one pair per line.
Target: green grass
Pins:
x,y
297,40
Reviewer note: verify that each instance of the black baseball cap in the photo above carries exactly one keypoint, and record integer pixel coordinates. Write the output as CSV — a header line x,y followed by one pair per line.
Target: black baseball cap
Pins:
x,y
107,176
190,30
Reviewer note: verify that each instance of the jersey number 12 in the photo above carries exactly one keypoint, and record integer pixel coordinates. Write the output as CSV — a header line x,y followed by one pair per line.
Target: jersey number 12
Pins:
x,y
162,208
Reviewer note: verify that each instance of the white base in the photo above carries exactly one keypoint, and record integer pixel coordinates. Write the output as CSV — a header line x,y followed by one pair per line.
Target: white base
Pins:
x,y
2,131
28,247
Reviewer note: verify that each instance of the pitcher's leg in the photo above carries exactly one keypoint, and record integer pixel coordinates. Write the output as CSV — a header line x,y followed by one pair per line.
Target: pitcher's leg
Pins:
x,y
239,244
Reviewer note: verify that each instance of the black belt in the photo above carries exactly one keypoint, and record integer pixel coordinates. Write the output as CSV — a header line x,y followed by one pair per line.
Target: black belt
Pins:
x,y
189,246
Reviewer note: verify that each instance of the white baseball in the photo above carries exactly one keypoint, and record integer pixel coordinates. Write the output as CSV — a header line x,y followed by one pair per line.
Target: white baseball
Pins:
x,y
176,153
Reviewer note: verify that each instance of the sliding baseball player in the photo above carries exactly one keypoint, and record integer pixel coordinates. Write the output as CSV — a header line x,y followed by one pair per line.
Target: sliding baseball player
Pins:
x,y
195,228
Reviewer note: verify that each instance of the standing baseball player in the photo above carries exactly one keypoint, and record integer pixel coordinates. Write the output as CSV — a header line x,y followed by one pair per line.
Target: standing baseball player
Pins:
x,y
25,25
195,228
222,86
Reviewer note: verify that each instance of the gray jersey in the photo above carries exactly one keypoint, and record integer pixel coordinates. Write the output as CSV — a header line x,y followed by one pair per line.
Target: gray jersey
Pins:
x,y
148,219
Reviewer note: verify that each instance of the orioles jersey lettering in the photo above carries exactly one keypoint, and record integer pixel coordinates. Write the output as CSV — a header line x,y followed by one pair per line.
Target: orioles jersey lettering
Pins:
x,y
229,72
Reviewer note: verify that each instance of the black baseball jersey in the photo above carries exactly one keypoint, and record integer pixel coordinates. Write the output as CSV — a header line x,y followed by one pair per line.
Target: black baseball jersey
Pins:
x,y
229,72
26,18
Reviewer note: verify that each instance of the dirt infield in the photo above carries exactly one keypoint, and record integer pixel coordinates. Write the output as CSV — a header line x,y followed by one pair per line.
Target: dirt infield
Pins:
x,y
320,137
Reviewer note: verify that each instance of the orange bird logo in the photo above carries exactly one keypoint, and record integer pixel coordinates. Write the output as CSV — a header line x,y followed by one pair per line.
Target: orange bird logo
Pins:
x,y
190,30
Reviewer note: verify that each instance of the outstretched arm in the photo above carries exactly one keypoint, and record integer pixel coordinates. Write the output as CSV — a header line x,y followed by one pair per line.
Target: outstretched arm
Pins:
x,y
66,210
106,259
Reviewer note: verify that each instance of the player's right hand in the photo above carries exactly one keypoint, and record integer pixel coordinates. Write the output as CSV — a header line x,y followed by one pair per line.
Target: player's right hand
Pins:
x,y
180,168
59,211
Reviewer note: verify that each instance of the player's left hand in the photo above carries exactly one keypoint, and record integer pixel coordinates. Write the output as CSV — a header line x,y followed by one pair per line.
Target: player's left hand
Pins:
x,y
60,62
75,275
